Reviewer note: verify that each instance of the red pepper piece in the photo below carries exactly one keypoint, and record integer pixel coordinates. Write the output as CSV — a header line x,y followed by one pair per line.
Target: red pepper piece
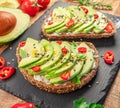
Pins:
x,y
70,23
50,23
24,105
2,62
36,68
22,44
85,9
6,72
64,50
82,49
59,42
109,28
96,16
65,75
109,57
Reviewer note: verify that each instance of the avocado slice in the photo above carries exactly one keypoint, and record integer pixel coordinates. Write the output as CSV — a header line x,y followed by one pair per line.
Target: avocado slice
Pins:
x,y
55,57
88,62
64,58
48,54
71,62
21,25
34,50
73,72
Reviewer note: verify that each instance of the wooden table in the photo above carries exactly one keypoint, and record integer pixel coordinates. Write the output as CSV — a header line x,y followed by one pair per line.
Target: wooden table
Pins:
x,y
113,98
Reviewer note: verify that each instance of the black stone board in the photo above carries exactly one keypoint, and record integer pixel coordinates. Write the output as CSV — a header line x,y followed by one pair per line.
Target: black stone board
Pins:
x,y
106,74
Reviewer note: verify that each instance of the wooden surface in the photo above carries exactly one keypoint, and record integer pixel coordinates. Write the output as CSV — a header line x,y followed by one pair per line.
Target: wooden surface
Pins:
x,y
113,98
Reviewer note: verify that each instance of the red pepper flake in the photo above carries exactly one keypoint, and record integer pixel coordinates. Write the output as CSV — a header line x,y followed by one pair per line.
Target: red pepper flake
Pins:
x,y
2,62
65,75
82,49
96,16
85,9
59,42
50,22
109,57
6,72
24,105
64,50
22,44
36,68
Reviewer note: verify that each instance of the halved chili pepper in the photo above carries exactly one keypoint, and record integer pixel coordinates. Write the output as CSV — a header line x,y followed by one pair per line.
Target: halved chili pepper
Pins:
x,y
36,68
65,75
59,42
6,72
109,57
70,23
22,44
24,105
2,62
85,9
109,28
64,50
82,49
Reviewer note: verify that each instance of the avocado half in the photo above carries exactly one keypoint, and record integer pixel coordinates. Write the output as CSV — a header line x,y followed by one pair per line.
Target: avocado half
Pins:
x,y
23,21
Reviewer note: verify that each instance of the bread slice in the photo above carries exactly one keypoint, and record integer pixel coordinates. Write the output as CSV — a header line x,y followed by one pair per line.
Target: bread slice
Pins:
x,y
70,35
67,86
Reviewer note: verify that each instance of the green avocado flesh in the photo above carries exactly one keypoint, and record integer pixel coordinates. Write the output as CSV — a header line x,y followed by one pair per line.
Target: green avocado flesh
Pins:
x,y
90,22
23,21
58,61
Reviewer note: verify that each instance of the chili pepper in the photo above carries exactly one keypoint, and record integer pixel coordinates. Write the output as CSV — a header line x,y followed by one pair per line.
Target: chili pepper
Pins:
x,y
6,72
22,44
2,62
24,105
82,49
36,68
65,75
96,16
109,28
109,57
85,9
59,42
70,23
50,22
64,50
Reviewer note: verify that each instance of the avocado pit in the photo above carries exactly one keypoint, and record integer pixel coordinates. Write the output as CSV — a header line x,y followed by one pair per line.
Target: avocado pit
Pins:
x,y
7,22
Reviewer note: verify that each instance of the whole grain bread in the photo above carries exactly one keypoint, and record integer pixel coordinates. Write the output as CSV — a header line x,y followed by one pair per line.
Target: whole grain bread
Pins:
x,y
65,87
80,35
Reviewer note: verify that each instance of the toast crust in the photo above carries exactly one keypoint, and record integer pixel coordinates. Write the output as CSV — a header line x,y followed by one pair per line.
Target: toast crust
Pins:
x,y
65,87
80,35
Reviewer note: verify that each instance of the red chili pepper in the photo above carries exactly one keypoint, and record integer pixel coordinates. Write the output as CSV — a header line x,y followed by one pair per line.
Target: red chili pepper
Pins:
x,y
109,57
65,75
50,23
59,42
64,50
24,105
85,9
36,68
70,23
109,28
2,62
22,44
96,16
6,72
82,49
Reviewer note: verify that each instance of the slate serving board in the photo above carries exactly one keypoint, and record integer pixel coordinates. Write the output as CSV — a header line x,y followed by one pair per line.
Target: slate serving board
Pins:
x,y
93,92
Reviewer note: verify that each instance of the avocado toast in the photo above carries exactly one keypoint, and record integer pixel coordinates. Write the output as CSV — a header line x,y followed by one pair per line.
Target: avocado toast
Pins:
x,y
57,66
77,22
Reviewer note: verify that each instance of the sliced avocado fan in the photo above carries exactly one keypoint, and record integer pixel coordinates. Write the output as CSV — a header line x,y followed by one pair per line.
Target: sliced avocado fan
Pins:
x,y
23,21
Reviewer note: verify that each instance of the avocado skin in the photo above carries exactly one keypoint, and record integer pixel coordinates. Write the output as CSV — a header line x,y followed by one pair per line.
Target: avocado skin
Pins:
x,y
20,27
